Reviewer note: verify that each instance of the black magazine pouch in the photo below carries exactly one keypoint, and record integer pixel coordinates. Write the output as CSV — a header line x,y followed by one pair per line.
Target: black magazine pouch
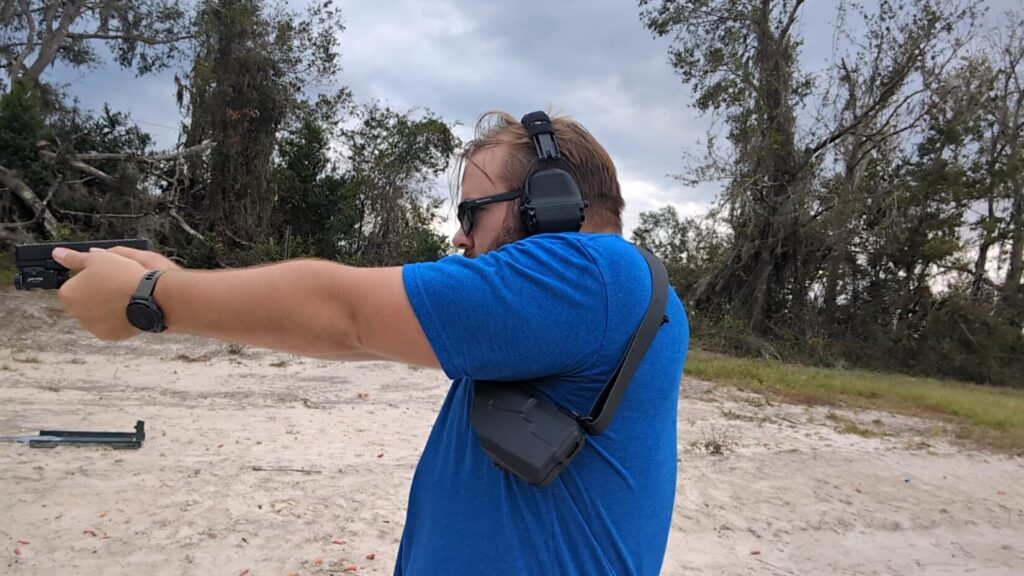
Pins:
x,y
523,433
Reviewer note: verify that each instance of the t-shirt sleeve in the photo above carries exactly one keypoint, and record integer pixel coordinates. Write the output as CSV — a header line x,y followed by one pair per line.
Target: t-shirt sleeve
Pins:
x,y
533,308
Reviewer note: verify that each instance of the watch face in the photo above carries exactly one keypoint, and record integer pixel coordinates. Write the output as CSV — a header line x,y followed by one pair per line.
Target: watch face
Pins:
x,y
142,317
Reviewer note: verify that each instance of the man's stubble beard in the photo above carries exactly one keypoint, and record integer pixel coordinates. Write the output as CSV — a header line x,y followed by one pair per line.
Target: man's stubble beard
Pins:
x,y
511,231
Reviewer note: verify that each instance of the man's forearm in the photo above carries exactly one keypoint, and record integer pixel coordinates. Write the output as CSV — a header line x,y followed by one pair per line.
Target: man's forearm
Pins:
x,y
298,306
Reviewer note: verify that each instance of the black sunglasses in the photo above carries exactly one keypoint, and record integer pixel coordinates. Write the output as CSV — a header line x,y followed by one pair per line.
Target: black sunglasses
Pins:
x,y
467,208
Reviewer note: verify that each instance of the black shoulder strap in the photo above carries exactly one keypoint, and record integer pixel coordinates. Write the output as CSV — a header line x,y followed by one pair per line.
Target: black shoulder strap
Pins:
x,y
612,393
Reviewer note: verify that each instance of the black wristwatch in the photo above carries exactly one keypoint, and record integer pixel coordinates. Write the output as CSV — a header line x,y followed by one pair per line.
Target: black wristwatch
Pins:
x,y
142,311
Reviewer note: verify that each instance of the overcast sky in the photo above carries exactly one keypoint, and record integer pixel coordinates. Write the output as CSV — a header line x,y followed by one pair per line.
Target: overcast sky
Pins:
x,y
590,59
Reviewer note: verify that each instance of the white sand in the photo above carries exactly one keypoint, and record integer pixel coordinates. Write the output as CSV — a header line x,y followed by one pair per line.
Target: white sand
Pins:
x,y
792,494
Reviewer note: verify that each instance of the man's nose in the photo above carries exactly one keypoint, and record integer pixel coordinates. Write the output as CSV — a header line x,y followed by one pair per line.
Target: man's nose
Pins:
x,y
461,241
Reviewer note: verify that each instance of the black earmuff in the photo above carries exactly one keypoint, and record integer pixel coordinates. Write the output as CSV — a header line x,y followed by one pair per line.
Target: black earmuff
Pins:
x,y
551,200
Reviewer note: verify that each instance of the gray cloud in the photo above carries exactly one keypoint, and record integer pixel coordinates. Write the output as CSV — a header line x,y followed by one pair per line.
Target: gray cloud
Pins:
x,y
592,60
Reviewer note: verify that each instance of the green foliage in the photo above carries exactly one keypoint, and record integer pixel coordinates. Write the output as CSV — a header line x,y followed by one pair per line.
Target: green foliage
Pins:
x,y
394,160
689,247
713,48
316,209
80,200
162,20
110,131
40,136
424,244
973,344
380,209
205,253
27,132
68,233
22,128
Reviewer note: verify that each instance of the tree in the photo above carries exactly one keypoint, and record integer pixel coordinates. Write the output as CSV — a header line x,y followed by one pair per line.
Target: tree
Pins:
x,y
36,33
1007,139
249,81
740,58
689,247
22,128
393,162
106,188
316,207
869,219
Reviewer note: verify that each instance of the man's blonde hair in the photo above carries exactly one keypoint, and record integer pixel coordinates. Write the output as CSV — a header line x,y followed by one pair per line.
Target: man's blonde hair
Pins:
x,y
592,167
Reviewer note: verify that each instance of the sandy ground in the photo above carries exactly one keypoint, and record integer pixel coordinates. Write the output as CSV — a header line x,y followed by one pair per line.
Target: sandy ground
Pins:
x,y
262,463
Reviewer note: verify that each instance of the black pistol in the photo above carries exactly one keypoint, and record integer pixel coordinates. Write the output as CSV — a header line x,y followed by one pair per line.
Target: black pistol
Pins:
x,y
38,269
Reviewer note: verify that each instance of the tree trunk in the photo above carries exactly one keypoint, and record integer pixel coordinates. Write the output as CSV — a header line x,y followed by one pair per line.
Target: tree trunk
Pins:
x,y
981,263
52,42
1013,276
22,191
777,244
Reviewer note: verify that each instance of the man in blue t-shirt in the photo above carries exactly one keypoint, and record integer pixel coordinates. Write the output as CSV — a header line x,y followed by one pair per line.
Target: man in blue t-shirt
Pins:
x,y
556,309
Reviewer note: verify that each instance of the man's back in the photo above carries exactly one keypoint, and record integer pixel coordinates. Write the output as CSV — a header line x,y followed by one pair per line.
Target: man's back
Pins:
x,y
559,310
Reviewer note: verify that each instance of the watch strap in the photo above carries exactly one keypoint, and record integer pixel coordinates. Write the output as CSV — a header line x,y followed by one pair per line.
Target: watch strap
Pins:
x,y
147,285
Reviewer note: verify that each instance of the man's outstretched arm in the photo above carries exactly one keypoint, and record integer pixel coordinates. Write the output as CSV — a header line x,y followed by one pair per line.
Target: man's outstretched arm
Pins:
x,y
309,307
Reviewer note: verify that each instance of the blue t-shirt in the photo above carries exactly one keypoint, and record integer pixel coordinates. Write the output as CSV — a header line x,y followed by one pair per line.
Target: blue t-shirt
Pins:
x,y
559,308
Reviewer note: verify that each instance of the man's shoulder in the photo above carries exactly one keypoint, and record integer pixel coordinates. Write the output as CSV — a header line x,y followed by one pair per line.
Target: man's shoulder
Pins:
x,y
568,239
573,258
568,245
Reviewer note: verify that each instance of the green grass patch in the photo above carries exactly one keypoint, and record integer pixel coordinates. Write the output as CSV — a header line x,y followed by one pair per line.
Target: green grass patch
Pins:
x,y
7,268
992,416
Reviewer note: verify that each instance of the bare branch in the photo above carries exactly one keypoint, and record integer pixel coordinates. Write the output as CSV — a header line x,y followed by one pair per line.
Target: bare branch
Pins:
x,y
790,19
22,191
237,239
184,225
984,279
54,39
51,13
853,124
149,40
99,215
6,13
53,190
17,226
198,148
14,70
80,166
20,226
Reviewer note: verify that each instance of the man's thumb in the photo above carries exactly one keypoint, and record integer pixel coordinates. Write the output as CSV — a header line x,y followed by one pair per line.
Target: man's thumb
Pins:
x,y
70,259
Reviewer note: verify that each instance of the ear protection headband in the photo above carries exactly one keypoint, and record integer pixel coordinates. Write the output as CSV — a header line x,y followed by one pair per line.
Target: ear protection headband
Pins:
x,y
551,200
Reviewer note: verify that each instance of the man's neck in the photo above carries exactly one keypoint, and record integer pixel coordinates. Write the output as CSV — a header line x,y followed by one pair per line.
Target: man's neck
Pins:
x,y
600,229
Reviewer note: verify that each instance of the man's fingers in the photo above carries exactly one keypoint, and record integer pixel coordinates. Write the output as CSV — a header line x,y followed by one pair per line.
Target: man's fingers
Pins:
x,y
150,260
127,252
70,259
